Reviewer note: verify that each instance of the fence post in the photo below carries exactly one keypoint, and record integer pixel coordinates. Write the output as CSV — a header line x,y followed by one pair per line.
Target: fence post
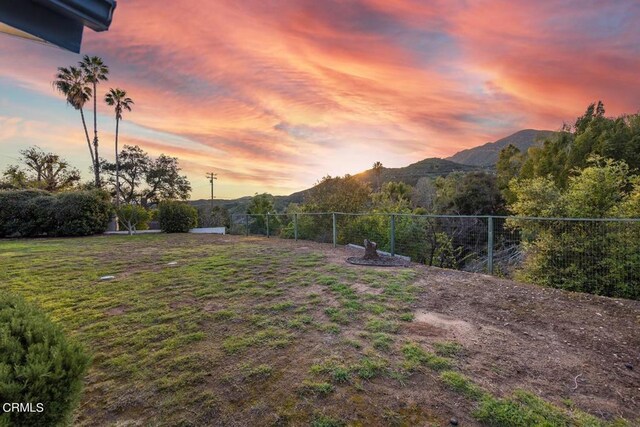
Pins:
x,y
267,224
295,226
246,224
490,245
393,235
335,231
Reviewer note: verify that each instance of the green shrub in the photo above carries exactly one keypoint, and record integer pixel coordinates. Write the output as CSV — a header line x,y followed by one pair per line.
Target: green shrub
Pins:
x,y
28,213
177,217
133,217
82,213
37,365
38,217
13,210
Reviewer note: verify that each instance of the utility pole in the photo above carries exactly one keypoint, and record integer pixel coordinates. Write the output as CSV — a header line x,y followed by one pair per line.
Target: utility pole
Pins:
x,y
211,177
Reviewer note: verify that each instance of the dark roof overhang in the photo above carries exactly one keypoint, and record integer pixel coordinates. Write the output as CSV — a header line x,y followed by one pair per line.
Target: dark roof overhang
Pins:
x,y
59,22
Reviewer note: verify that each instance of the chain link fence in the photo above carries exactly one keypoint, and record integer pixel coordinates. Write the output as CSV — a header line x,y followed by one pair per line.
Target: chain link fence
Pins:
x,y
600,256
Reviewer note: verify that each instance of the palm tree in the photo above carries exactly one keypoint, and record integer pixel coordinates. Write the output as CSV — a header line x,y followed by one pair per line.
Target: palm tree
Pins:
x,y
70,81
118,99
377,170
95,70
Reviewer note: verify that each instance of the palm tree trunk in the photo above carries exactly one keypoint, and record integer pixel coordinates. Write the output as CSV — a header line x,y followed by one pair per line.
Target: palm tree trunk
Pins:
x,y
117,168
96,166
93,160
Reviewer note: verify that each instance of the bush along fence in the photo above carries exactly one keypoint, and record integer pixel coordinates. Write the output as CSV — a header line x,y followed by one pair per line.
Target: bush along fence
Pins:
x,y
30,213
598,256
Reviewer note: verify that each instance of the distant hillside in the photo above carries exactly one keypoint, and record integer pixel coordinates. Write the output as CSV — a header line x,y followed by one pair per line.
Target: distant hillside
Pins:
x,y
240,205
487,155
409,174
431,168
474,159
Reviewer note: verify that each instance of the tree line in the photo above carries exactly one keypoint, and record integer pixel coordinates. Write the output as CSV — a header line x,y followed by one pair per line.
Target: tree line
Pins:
x,y
144,180
132,178
589,169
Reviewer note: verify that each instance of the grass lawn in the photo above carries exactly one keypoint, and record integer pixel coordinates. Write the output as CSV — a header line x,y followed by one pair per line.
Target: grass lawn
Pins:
x,y
249,331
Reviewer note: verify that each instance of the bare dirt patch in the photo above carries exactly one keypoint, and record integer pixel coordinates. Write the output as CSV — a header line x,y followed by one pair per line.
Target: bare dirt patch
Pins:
x,y
184,302
523,336
541,339
115,311
366,289
441,325
211,306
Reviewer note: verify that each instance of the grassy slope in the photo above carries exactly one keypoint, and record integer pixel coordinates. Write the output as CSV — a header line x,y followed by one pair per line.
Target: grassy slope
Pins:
x,y
248,333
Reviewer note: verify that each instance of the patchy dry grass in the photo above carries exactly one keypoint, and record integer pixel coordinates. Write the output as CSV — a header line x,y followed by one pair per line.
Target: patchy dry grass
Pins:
x,y
250,332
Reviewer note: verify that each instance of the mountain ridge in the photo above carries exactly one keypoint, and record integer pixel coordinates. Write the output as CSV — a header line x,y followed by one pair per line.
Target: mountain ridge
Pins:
x,y
487,154
482,157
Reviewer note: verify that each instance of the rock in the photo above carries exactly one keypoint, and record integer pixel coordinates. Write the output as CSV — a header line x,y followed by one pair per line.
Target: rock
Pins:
x,y
103,278
370,250
172,263
453,421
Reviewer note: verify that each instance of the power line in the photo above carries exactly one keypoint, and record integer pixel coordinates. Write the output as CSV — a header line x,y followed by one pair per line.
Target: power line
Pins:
x,y
212,176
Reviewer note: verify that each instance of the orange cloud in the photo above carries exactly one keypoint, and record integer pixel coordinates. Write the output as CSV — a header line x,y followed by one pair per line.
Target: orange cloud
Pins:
x,y
274,95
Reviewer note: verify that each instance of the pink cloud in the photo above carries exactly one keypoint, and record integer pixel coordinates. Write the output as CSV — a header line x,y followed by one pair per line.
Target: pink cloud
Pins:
x,y
283,93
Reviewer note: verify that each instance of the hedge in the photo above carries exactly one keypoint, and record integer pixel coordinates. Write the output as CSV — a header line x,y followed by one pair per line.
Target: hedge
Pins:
x,y
29,213
177,217
38,365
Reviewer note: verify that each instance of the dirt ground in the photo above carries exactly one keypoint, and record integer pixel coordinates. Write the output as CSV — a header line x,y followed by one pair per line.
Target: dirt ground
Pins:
x,y
561,345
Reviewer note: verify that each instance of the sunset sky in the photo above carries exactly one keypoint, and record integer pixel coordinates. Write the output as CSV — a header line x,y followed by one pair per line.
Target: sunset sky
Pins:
x,y
272,95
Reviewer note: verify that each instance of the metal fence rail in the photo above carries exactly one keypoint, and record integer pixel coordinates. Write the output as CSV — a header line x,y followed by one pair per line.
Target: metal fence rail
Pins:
x,y
600,256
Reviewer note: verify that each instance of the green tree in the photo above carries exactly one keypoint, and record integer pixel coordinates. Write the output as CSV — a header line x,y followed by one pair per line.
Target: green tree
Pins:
x,y
71,82
339,194
217,216
592,134
134,164
164,181
473,193
394,192
133,218
424,194
46,171
260,206
14,178
94,71
536,197
509,163
147,180
582,255
598,190
118,99
549,160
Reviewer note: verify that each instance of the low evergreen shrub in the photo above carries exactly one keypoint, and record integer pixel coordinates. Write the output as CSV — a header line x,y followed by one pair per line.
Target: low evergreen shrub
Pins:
x,y
38,365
